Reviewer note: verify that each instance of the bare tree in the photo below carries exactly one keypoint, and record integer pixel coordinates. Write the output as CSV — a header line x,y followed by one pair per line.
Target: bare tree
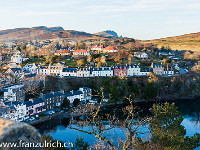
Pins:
x,y
128,121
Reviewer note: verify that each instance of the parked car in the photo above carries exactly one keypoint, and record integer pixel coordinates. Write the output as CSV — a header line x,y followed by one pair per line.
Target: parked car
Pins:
x,y
31,119
51,112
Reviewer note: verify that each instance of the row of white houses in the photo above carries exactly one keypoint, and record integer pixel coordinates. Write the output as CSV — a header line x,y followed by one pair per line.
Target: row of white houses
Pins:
x,y
121,70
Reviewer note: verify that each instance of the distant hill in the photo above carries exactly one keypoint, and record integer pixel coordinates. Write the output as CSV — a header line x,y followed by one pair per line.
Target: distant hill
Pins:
x,y
107,33
40,33
182,42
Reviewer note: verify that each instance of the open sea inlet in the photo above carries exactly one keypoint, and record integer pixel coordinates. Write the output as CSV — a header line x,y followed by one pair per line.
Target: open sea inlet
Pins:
x,y
61,130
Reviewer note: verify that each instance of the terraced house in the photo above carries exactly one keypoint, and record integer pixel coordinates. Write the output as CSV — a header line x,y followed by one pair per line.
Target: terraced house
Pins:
x,y
53,99
69,72
34,106
54,70
83,72
121,70
133,70
101,72
158,69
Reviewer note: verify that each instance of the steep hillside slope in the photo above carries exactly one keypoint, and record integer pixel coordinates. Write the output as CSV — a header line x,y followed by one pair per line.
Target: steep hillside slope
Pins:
x,y
182,42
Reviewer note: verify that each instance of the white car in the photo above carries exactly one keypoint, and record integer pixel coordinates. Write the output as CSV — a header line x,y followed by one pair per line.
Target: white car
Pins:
x,y
51,112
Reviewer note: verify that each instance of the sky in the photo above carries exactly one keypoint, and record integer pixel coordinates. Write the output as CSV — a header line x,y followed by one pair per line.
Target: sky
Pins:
x,y
139,19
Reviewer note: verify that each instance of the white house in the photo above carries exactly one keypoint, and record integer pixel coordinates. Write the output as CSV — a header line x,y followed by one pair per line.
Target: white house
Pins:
x,y
81,52
62,52
20,110
87,93
83,72
133,70
15,111
43,70
70,97
50,70
78,95
14,93
69,72
32,68
18,58
141,55
102,71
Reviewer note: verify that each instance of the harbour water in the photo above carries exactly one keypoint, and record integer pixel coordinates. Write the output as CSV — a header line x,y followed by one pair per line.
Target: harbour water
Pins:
x,y
61,130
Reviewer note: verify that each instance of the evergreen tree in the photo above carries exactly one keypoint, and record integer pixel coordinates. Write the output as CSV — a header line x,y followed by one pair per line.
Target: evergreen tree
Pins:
x,y
80,144
76,102
65,103
167,131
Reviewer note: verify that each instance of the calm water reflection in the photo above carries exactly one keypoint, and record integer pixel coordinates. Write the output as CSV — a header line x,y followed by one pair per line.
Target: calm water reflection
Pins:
x,y
60,130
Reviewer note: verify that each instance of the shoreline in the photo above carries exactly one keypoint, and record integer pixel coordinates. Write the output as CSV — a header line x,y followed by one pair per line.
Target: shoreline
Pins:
x,y
67,115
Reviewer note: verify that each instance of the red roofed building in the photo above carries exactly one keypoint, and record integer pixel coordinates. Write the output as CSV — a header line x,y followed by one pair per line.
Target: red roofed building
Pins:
x,y
62,52
81,52
110,50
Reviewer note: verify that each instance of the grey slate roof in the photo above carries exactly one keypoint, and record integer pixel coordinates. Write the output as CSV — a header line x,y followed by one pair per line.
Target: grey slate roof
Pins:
x,y
146,70
68,94
69,70
77,92
121,67
12,103
102,68
28,103
50,95
158,65
83,69
133,66
35,101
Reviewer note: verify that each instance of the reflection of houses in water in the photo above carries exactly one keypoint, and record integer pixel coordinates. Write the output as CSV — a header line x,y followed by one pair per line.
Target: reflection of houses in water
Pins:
x,y
51,125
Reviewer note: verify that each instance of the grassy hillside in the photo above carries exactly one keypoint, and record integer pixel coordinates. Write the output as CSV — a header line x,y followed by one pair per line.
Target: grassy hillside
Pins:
x,y
40,33
183,42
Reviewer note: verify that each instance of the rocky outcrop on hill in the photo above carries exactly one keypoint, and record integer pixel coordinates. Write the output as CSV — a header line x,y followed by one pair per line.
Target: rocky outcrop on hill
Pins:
x,y
107,33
